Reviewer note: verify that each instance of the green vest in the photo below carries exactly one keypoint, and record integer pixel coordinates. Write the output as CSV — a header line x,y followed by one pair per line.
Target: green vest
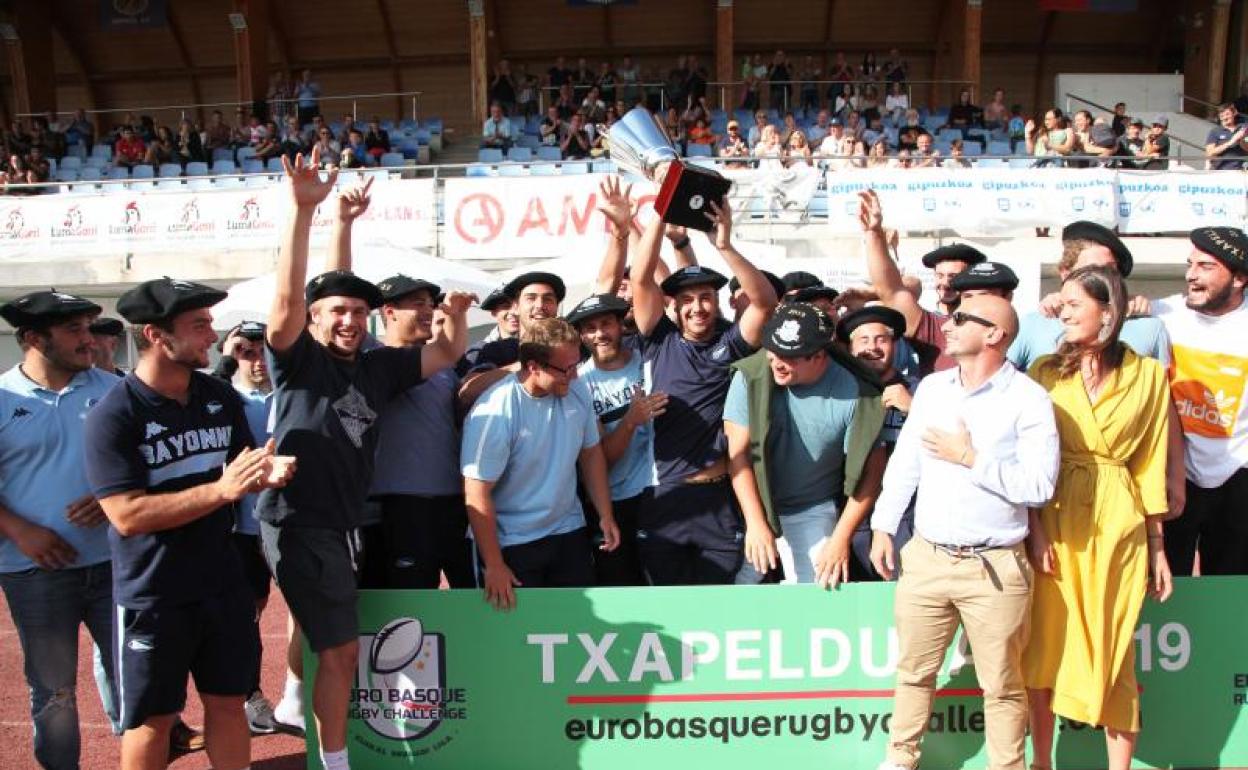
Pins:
x,y
864,431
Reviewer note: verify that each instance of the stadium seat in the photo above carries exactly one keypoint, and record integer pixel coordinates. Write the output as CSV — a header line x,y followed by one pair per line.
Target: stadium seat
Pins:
x,y
543,168
223,166
949,134
510,168
479,169
423,136
196,168
90,174
699,151
393,160
604,167
253,166
274,165
1000,148
435,125
95,161
531,142
170,169
258,180
169,184
549,153
142,171
71,162
489,155
520,154
972,148
119,172
246,152
102,151
574,167
67,174
222,153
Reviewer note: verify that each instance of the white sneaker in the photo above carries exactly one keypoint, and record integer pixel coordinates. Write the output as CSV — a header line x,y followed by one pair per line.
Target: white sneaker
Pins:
x,y
288,717
259,714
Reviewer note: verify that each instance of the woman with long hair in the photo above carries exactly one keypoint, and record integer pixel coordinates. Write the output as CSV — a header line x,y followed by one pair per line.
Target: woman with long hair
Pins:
x,y
1097,546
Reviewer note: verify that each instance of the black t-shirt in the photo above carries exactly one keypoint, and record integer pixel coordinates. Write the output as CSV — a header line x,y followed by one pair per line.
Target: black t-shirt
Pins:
x,y
494,354
559,76
966,115
136,439
325,411
1232,158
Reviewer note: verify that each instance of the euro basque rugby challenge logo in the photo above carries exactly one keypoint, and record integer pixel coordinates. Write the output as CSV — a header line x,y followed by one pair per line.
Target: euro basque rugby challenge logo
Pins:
x,y
401,691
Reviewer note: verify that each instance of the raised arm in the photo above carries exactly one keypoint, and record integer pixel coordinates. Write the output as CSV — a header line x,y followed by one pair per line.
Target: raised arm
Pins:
x,y
755,285
449,346
617,208
885,276
288,314
648,301
351,205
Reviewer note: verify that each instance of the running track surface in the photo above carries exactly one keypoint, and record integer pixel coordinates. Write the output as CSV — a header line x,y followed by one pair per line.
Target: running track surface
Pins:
x,y
100,750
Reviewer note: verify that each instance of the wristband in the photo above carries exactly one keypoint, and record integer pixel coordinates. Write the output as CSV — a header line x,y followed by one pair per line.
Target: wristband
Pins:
x,y
682,244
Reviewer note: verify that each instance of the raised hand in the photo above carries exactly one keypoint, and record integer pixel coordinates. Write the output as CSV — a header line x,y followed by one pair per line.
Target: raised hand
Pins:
x,y
457,302
307,189
354,202
615,204
870,213
721,217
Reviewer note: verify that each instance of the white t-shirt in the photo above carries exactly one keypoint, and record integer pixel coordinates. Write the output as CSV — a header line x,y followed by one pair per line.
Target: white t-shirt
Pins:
x,y
1208,375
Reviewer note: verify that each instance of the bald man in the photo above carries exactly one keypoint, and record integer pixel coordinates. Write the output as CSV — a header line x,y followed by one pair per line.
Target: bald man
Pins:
x,y
978,448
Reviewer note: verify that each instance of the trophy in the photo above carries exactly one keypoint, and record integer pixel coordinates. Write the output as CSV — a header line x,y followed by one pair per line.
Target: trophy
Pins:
x,y
640,145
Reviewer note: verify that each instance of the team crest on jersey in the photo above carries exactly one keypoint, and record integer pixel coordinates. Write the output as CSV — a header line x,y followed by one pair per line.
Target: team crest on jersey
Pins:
x,y
401,690
355,415
214,407
153,429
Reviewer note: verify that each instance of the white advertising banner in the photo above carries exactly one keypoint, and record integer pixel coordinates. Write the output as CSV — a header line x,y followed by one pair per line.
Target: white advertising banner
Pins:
x,y
45,227
1152,201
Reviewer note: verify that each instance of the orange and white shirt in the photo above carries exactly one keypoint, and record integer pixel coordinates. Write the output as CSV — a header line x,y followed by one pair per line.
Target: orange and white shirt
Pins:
x,y
1209,384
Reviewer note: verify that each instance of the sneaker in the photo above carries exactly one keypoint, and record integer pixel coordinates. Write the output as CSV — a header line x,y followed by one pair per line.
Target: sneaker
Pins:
x,y
259,714
288,718
184,739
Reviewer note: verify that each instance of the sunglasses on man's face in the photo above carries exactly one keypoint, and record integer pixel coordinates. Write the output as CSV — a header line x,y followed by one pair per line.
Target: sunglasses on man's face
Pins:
x,y
960,318
567,373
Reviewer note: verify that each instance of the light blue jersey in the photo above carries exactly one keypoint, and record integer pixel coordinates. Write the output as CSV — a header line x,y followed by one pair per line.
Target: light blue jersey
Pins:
x,y
1039,336
41,460
612,393
806,441
256,406
529,447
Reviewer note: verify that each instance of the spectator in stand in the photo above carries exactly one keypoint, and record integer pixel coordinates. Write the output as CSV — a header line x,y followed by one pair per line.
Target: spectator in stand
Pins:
x,y
701,134
344,133
796,150
496,131
256,131
896,69
675,129
606,82
756,130
267,144
551,128
750,85
696,85
1157,145
377,140
1120,119
878,155
1053,139
1227,145
677,81
240,135
769,149
901,159
565,103
576,143
187,145
293,141
81,129
162,148
331,151
787,129
845,101
869,71
527,86
314,132
1101,142
46,134
897,103
1241,101
965,115
217,134
831,144
1016,127
779,75
627,75
503,87
809,87
819,129
908,139
582,79
733,146
16,171
996,113
40,168
355,153
869,104
308,95
279,97
129,150
694,109
558,75
1131,145
592,106
926,156
1081,124
19,139
955,159
854,125
841,72
146,128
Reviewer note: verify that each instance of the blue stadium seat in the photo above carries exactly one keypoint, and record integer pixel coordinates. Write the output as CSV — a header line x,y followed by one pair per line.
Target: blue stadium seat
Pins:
x,y
71,162
67,174
250,166
222,153
543,168
531,142
119,172
274,165
520,154
244,153
95,161
393,160
223,166
196,168
142,171
949,134
699,151
170,169
479,169
574,167
90,174
549,153
102,151
490,155
972,149
1000,148
512,169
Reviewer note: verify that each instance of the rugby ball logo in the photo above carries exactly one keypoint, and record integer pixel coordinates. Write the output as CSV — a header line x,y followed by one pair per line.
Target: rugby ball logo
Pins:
x,y
396,645
401,689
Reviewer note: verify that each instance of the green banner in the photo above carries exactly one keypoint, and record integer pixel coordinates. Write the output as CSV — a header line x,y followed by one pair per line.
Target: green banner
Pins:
x,y
735,677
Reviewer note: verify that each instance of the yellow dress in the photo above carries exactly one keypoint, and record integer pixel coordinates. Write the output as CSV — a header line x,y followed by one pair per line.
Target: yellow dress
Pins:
x,y
1113,475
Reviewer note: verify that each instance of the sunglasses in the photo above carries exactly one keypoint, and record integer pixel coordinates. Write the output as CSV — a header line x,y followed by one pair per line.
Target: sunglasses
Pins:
x,y
566,373
960,318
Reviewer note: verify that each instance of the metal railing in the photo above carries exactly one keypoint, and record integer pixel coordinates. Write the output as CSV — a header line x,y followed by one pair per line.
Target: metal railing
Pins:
x,y
291,102
1198,150
1211,109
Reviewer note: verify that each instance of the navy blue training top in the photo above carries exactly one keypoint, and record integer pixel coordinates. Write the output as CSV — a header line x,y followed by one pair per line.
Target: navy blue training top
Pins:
x,y
689,436
137,439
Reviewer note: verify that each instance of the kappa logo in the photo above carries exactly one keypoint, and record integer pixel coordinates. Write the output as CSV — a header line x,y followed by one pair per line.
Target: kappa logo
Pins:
x,y
401,689
20,412
153,429
214,407
720,353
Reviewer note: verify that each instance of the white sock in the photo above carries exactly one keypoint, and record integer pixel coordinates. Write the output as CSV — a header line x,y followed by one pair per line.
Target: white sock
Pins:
x,y
294,689
334,760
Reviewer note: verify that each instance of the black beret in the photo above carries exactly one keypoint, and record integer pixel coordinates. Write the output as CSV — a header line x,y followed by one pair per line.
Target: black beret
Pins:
x,y
108,327
985,275
800,279
694,275
958,251
342,283
598,304
1084,230
164,298
797,330
517,284
43,308
494,299
399,286
812,293
777,284
869,314
1228,245
248,330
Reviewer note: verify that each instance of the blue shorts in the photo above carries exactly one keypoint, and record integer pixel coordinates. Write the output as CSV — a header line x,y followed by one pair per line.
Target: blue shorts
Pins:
x,y
215,640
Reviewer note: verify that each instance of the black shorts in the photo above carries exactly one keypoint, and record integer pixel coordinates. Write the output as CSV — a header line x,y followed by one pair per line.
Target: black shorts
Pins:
x,y
555,561
255,569
1213,524
213,640
424,538
621,567
316,570
690,534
